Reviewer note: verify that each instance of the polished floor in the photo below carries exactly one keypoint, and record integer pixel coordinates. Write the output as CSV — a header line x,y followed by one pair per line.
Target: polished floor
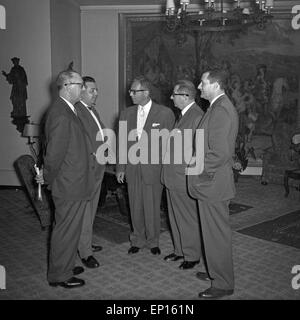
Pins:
x,y
262,268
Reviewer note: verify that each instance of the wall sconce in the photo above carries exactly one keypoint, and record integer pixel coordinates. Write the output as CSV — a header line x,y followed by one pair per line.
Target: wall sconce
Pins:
x,y
31,131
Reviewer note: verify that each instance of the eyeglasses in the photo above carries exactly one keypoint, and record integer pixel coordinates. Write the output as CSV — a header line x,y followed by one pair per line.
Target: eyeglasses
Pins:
x,y
78,83
179,94
130,91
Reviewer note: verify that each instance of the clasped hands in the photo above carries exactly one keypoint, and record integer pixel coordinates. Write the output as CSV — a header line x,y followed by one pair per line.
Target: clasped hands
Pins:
x,y
39,178
120,176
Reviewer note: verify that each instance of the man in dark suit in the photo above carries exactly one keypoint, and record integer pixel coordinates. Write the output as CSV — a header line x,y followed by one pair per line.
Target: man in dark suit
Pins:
x,y
182,209
67,171
143,179
214,187
90,119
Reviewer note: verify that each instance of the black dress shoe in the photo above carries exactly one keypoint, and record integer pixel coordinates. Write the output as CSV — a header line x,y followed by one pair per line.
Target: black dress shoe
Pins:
x,y
69,284
96,248
203,276
90,262
214,293
77,270
155,250
172,257
133,250
188,264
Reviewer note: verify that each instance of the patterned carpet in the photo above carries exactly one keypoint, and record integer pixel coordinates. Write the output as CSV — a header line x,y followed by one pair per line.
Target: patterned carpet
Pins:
x,y
284,230
115,227
262,268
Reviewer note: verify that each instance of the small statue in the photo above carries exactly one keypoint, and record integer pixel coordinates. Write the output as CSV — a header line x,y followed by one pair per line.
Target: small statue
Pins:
x,y
18,78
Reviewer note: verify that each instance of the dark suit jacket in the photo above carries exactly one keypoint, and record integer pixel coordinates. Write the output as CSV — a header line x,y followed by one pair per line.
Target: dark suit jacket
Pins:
x,y
159,117
68,158
173,174
220,124
92,129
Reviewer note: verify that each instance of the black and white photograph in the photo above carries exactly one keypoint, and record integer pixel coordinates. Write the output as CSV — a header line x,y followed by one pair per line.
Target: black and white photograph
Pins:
x,y
150,153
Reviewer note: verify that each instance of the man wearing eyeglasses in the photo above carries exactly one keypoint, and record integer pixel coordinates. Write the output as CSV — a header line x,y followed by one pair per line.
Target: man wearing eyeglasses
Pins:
x,y
67,172
182,209
90,119
143,179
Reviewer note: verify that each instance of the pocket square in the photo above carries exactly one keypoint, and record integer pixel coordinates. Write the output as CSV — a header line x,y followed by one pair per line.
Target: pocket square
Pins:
x,y
155,124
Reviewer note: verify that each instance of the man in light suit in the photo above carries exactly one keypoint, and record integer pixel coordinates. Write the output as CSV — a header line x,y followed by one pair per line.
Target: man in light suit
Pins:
x,y
67,171
214,187
143,180
90,119
182,209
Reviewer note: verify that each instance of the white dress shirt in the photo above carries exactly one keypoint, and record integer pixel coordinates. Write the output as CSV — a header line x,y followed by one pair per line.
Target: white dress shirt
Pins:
x,y
142,115
185,109
213,100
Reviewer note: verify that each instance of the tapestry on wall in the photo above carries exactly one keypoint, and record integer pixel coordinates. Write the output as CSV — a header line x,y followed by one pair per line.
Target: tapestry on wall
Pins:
x,y
263,68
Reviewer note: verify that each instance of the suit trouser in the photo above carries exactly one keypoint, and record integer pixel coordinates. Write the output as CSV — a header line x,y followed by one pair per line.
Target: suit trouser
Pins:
x,y
144,201
217,240
185,225
65,238
86,237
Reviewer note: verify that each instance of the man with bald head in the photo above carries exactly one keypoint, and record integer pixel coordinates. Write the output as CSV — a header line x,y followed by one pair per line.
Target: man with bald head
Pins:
x,y
67,171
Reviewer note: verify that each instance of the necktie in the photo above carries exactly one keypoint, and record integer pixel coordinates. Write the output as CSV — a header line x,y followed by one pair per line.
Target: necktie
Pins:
x,y
75,111
142,112
141,121
179,117
92,109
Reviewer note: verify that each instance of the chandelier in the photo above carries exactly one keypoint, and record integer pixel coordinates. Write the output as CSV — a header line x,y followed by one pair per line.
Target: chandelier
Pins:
x,y
214,16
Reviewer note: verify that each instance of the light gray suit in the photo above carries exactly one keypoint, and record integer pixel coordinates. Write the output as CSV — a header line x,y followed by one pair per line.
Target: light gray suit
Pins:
x,y
144,180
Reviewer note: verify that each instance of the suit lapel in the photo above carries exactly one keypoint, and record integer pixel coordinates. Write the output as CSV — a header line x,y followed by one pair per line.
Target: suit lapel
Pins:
x,y
151,117
207,113
185,116
98,117
85,113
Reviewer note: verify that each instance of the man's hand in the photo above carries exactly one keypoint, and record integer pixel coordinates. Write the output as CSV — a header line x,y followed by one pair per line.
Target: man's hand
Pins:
x,y
39,178
120,177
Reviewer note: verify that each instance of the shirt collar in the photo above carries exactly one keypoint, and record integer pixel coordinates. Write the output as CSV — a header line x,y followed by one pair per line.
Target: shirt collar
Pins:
x,y
147,106
69,104
217,97
186,108
87,106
